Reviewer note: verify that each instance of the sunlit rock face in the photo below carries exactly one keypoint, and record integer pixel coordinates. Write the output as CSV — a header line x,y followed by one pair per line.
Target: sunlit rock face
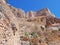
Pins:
x,y
45,12
15,22
30,14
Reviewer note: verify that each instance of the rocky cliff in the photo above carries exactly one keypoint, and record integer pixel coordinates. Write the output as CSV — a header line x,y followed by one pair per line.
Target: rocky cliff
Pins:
x,y
14,23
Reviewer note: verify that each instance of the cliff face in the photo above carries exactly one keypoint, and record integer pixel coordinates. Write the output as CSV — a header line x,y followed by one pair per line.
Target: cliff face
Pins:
x,y
15,22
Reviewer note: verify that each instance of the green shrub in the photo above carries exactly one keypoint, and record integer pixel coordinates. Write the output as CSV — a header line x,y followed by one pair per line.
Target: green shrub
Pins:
x,y
35,35
27,34
59,29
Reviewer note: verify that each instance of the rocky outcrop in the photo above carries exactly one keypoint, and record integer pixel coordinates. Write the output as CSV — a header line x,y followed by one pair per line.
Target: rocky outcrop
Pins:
x,y
30,14
14,23
45,12
18,13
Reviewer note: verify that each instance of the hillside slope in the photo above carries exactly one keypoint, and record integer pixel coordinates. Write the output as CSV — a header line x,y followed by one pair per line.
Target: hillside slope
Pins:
x,y
41,27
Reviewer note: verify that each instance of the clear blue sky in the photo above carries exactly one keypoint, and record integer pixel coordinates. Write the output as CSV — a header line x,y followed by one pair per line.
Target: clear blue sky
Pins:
x,y
35,5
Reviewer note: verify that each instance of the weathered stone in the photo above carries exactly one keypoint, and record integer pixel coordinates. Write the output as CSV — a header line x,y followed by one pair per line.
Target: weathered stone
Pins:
x,y
15,22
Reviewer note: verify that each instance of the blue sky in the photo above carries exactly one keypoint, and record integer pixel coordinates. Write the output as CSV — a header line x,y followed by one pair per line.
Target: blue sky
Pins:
x,y
35,5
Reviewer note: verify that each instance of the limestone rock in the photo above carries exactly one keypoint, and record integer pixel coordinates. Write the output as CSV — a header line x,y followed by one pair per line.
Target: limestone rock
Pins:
x,y
14,23
45,12
30,14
